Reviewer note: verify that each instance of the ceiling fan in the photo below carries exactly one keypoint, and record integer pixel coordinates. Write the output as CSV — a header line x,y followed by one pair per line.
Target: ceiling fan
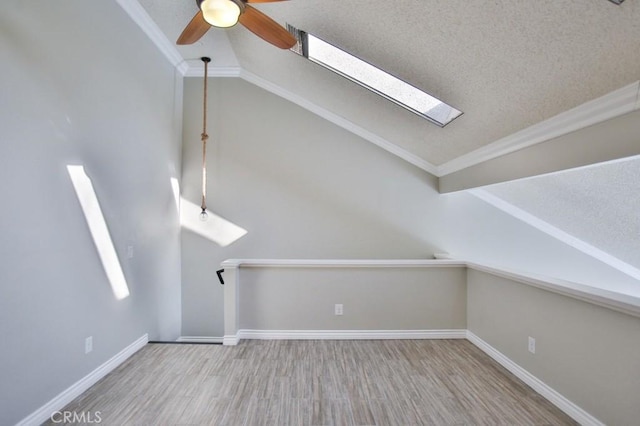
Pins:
x,y
227,13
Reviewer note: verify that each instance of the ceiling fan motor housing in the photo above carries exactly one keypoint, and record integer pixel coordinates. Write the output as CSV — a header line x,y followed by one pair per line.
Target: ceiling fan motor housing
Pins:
x,y
240,4
227,13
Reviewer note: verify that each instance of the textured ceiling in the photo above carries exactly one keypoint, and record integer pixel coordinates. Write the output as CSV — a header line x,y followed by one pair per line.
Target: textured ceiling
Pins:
x,y
597,204
507,64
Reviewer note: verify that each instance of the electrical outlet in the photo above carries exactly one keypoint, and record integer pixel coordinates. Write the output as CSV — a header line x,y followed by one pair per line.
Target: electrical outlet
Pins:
x,y
338,309
532,345
129,252
88,344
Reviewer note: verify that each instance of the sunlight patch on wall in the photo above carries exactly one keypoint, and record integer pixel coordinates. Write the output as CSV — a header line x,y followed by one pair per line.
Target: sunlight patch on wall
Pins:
x,y
216,228
99,231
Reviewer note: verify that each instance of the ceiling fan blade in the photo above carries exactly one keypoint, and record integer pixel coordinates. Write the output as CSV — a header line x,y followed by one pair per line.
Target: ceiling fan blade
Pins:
x,y
266,28
194,30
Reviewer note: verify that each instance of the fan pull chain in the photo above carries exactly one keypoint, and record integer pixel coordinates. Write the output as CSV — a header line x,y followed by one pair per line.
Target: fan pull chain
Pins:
x,y
204,137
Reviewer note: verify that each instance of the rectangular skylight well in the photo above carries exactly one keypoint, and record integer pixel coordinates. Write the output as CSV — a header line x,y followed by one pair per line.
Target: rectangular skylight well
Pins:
x,y
372,78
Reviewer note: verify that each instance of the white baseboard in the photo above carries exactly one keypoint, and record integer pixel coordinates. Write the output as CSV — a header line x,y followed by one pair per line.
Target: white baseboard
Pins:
x,y
43,413
350,334
578,414
231,339
199,339
571,409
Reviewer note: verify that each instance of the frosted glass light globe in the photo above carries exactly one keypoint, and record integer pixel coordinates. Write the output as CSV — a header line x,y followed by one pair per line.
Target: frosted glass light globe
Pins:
x,y
220,13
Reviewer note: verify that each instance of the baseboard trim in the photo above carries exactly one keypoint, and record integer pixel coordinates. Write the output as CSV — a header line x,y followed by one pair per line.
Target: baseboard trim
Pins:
x,y
60,401
43,413
231,339
571,409
199,339
350,334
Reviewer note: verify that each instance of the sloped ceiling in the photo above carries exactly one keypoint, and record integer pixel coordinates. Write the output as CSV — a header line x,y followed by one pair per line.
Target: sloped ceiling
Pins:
x,y
518,69
507,64
598,205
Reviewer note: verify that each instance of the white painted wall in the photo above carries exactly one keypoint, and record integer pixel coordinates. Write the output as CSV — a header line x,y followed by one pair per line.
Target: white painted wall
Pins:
x,y
305,188
81,84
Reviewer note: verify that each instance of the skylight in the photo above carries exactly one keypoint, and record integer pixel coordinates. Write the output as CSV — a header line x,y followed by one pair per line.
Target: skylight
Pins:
x,y
373,78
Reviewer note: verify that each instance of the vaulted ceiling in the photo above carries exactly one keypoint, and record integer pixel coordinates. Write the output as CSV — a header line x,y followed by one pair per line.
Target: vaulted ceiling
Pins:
x,y
545,87
507,65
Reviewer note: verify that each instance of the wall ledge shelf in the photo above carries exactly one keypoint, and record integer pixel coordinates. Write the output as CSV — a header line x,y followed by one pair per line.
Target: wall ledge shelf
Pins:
x,y
342,263
625,303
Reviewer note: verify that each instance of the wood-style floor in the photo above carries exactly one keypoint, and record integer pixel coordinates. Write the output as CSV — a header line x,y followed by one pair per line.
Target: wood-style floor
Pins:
x,y
331,382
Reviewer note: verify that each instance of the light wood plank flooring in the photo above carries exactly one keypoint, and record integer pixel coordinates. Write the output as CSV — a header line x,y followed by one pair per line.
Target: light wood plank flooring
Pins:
x,y
331,382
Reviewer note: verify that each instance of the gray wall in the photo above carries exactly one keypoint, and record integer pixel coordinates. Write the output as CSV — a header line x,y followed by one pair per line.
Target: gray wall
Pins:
x,y
81,84
587,353
304,188
373,298
301,186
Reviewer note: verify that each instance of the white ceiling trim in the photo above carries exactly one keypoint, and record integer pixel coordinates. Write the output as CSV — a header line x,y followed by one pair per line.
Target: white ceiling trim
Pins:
x,y
151,29
613,139
611,105
557,233
196,69
339,121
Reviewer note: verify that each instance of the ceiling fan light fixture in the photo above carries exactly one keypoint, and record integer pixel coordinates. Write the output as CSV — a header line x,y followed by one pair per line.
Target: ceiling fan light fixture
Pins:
x,y
221,13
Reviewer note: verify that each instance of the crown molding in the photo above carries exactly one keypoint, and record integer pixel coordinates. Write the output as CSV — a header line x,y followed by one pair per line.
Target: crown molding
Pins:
x,y
614,104
155,34
195,68
339,121
611,105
